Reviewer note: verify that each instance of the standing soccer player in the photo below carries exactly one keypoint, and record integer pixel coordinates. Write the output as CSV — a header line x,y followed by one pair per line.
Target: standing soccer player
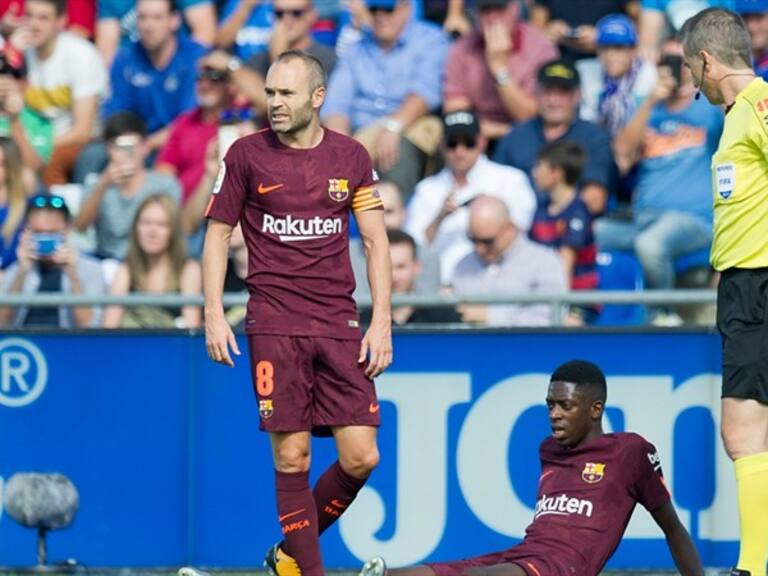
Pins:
x,y
718,52
291,187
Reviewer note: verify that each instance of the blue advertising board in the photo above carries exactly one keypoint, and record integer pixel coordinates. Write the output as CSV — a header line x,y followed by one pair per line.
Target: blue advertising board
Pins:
x,y
164,448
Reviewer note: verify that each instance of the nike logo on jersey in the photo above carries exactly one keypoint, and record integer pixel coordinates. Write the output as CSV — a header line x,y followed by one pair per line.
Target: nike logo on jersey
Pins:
x,y
267,189
338,504
373,408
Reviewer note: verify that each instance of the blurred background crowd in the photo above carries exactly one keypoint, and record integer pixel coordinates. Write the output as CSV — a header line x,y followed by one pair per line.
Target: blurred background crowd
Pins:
x,y
522,145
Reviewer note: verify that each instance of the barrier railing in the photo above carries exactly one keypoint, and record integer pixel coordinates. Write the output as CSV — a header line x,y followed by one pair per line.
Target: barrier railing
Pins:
x,y
558,300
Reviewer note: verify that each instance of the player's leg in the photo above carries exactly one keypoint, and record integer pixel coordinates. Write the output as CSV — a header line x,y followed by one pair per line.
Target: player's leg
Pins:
x,y
338,486
745,436
296,506
742,298
345,401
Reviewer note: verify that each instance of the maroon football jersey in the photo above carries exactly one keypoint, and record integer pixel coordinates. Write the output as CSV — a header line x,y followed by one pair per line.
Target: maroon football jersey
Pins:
x,y
294,209
585,500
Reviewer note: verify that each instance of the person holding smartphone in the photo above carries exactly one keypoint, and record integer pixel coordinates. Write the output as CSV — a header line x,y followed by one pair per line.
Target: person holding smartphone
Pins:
x,y
48,261
670,139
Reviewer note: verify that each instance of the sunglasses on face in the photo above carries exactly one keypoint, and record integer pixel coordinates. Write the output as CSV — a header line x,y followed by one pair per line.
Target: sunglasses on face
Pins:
x,y
212,75
453,143
382,9
294,13
486,242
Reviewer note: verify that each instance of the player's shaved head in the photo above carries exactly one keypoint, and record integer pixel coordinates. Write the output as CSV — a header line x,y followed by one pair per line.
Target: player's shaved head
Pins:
x,y
585,375
719,32
315,71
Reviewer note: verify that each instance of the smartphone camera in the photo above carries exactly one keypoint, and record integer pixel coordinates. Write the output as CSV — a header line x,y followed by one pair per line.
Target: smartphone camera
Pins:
x,y
47,244
675,65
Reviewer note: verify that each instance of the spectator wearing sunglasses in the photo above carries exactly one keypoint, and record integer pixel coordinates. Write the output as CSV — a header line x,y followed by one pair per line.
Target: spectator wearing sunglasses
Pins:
x,y
48,262
183,156
505,262
438,214
384,88
294,20
493,69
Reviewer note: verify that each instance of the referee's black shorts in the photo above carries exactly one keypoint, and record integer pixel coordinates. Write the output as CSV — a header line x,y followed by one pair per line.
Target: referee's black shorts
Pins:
x,y
742,318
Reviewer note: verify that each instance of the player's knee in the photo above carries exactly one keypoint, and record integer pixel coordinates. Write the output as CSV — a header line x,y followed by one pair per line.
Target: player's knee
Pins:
x,y
738,441
292,459
361,464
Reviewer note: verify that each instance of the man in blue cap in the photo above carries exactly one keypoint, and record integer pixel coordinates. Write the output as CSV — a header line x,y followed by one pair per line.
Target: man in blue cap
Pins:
x,y
755,16
611,94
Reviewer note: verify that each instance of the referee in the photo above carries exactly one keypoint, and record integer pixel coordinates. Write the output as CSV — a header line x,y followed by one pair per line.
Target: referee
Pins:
x,y
718,52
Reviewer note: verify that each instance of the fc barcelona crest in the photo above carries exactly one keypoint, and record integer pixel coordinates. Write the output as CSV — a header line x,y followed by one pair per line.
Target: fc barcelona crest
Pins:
x,y
593,472
265,408
338,189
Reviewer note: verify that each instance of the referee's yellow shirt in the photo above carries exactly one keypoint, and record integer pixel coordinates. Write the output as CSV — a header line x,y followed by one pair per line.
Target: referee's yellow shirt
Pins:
x,y
740,183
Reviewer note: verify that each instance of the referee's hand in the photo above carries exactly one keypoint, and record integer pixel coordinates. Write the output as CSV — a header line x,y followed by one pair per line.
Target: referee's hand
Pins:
x,y
377,346
219,338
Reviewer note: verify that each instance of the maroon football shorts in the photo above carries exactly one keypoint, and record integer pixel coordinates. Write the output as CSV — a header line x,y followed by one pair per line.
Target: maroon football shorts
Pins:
x,y
310,383
531,565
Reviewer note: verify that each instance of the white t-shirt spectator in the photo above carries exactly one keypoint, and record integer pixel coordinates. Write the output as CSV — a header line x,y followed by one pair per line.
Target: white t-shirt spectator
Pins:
x,y
486,177
74,70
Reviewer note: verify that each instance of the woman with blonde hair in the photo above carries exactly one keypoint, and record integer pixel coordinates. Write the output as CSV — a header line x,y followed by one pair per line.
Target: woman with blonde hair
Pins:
x,y
15,188
156,263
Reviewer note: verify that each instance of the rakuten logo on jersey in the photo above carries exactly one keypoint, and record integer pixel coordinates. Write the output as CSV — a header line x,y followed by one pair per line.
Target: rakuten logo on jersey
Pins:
x,y
562,506
290,229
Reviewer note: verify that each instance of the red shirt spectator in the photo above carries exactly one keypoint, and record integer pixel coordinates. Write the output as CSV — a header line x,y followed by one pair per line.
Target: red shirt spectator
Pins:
x,y
493,69
81,16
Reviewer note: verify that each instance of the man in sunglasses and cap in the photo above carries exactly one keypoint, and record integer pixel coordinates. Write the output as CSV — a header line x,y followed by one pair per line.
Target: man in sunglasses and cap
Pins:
x,y
438,214
48,262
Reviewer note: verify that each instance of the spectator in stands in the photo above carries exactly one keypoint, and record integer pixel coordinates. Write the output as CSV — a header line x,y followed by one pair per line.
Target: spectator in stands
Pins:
x,y
559,98
438,214
292,31
49,262
81,16
155,76
755,16
505,262
183,156
671,138
234,281
117,24
623,79
428,279
15,187
66,78
571,23
384,87
245,27
32,132
156,263
661,19
406,269
563,222
492,70
112,201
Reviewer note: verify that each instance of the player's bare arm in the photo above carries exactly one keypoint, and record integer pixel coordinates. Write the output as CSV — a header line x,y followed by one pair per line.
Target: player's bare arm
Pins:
x,y
377,342
681,546
219,337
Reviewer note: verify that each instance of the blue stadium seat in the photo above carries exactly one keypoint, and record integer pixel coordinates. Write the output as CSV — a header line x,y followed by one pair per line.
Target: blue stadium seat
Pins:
x,y
691,260
620,270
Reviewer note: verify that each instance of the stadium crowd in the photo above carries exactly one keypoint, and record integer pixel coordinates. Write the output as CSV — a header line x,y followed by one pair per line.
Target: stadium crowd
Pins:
x,y
522,145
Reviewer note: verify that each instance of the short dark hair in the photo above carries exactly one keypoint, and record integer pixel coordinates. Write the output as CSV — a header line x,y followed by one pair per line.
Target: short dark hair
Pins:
x,y
59,5
567,156
317,75
171,5
720,32
396,236
124,123
585,375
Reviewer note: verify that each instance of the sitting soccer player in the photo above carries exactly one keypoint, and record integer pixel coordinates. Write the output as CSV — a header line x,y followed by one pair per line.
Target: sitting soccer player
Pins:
x,y
589,484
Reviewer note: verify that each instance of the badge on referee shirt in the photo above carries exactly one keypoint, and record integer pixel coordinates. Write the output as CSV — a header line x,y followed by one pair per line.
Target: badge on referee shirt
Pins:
x,y
725,179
